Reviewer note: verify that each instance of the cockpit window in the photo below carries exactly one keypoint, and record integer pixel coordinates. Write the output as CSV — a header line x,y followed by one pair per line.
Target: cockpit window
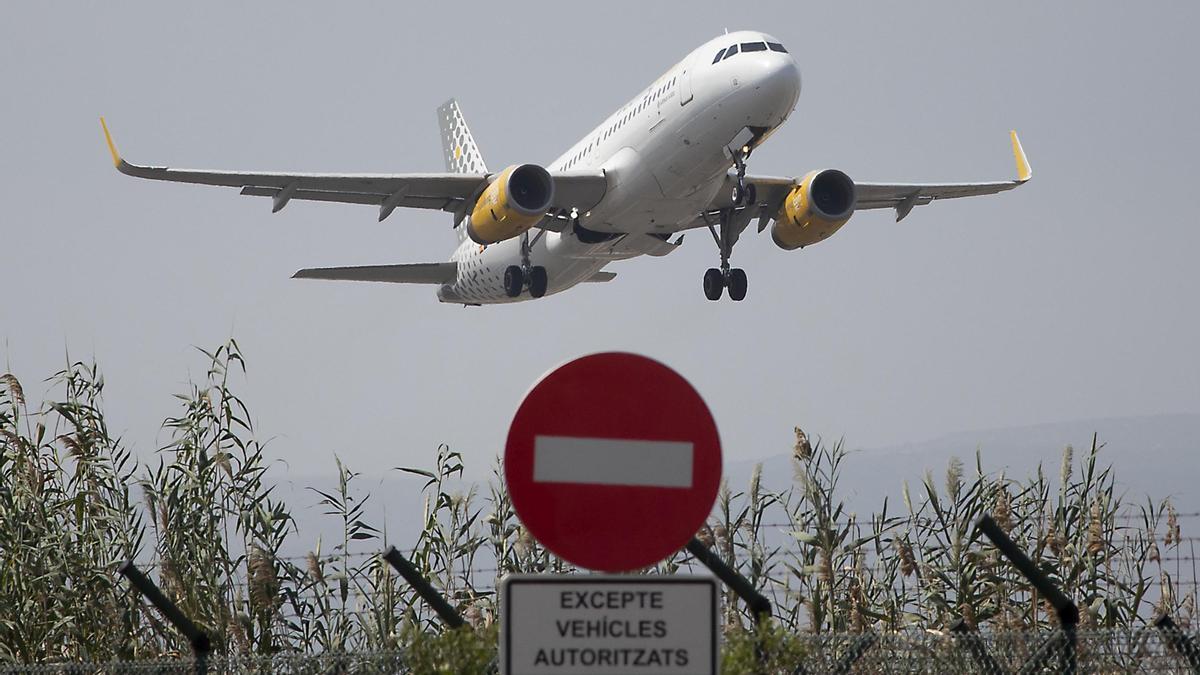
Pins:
x,y
776,47
732,50
718,56
754,47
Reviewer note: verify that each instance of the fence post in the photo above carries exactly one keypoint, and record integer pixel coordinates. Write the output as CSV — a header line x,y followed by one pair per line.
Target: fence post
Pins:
x,y
1068,613
421,585
196,637
962,632
1179,642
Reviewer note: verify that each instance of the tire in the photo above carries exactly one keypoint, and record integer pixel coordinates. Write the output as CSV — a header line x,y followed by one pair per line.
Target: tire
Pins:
x,y
744,196
538,281
714,283
737,284
514,281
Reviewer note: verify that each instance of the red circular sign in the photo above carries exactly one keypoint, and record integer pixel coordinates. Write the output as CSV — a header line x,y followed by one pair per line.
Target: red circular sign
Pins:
x,y
613,461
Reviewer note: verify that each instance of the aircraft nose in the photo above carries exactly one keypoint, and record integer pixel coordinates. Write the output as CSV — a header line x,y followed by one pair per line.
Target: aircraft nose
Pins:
x,y
779,82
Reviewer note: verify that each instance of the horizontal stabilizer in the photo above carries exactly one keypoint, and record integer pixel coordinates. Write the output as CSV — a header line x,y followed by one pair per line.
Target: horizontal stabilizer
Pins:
x,y
420,273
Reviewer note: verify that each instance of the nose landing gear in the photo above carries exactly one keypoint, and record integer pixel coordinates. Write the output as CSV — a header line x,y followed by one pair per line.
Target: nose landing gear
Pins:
x,y
743,195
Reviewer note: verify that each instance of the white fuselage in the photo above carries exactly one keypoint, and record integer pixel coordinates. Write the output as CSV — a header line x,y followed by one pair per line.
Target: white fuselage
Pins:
x,y
666,155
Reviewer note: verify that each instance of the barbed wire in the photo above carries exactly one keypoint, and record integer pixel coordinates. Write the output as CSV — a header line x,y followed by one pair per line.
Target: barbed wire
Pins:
x,y
933,521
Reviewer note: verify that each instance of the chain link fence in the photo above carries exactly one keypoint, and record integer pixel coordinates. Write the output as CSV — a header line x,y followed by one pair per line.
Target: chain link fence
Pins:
x,y
1140,651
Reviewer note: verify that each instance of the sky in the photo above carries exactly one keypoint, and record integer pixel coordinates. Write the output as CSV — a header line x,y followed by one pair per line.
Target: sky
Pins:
x,y
1073,297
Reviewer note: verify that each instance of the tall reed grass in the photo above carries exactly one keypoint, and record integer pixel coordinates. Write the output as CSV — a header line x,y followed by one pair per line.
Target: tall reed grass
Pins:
x,y
203,517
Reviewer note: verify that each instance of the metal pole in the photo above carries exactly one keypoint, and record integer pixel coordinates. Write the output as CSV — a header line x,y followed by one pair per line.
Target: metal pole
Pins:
x,y
421,585
1068,613
196,637
1040,659
963,633
759,604
1179,642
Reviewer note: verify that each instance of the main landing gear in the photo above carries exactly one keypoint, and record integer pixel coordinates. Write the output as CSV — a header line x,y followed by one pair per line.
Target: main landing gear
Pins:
x,y
517,277
734,278
731,222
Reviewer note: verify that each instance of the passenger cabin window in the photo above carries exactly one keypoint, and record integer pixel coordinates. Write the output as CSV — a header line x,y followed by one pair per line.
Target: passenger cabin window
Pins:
x,y
732,50
718,56
776,47
754,47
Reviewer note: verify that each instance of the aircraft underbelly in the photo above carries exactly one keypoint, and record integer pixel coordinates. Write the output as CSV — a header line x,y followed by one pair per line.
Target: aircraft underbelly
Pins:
x,y
481,271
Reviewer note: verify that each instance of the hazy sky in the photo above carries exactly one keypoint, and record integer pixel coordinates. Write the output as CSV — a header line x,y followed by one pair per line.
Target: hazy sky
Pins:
x,y
1073,297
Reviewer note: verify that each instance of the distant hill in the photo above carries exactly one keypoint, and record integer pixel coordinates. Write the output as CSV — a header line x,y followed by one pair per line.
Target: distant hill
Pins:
x,y
1155,455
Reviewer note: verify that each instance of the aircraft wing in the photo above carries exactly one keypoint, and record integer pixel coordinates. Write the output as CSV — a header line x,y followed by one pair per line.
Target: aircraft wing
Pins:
x,y
419,273
899,196
452,192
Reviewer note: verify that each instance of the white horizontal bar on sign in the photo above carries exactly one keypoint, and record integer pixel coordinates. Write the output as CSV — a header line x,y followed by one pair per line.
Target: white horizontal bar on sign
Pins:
x,y
612,461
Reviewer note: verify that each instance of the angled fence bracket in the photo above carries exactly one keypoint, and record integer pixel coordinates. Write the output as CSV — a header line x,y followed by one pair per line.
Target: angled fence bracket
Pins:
x,y
969,638
759,605
421,585
1064,644
1178,642
195,636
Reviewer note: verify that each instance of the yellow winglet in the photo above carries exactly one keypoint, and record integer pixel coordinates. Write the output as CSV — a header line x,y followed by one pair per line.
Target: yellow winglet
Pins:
x,y
112,146
1024,173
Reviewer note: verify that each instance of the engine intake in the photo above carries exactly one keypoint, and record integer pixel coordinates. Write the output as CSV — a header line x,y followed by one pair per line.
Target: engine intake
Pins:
x,y
814,209
514,202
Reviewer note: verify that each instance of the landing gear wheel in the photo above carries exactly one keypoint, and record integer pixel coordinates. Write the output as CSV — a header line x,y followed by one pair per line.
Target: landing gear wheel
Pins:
x,y
714,283
514,281
538,281
737,284
744,195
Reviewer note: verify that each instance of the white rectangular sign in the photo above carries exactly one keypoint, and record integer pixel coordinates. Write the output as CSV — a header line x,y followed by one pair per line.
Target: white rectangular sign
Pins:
x,y
608,625
612,461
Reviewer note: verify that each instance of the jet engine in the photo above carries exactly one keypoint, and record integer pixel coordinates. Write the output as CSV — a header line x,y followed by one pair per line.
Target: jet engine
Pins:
x,y
514,202
814,209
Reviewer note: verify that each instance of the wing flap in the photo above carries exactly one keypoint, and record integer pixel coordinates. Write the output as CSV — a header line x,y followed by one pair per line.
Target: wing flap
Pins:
x,y
410,201
418,273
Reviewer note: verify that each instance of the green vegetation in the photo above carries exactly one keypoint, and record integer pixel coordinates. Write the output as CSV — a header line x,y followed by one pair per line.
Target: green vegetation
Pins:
x,y
203,521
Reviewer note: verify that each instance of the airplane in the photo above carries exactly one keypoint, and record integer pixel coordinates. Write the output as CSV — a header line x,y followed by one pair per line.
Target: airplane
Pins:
x,y
672,159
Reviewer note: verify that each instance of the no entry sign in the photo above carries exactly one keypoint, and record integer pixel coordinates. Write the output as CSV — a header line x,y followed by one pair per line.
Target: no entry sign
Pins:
x,y
613,461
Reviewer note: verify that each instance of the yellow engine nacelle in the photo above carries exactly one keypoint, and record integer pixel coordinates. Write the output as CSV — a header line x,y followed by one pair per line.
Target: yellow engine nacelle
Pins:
x,y
514,202
814,209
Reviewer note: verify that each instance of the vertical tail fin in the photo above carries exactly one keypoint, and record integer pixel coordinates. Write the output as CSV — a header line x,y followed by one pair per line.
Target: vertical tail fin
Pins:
x,y
462,154
458,145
